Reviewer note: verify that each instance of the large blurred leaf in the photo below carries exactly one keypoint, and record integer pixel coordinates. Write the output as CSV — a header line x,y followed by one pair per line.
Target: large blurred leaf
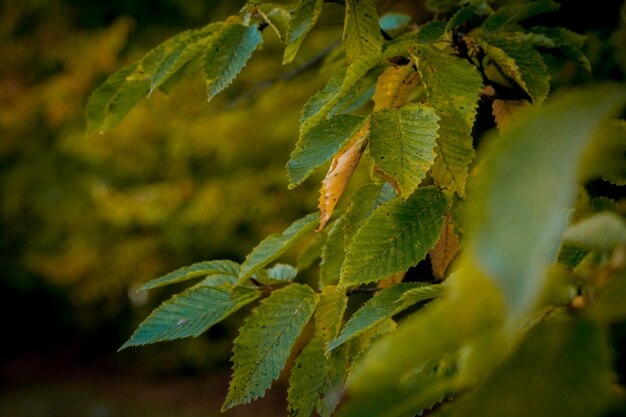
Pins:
x,y
229,52
395,237
527,183
190,313
402,143
265,341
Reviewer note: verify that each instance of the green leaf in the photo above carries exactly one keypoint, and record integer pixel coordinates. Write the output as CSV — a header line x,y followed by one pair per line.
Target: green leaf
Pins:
x,y
177,51
364,201
552,41
333,254
265,341
402,143
603,231
312,251
329,313
229,52
190,313
277,275
110,102
275,245
452,85
193,271
466,16
323,103
395,237
307,379
526,183
542,367
302,21
317,145
361,33
520,62
509,15
431,32
384,305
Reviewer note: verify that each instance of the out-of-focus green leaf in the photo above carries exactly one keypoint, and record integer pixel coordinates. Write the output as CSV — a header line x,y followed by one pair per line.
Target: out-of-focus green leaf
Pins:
x,y
603,231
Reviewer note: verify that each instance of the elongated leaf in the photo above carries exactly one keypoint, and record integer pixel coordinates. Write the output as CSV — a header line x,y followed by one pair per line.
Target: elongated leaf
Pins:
x,y
402,143
190,313
361,33
541,367
329,313
520,62
526,183
229,52
179,51
552,40
453,86
307,380
192,271
275,245
364,201
333,254
603,231
379,308
323,103
394,86
333,387
395,237
512,14
265,340
302,21
317,145
506,111
110,102
446,248
312,251
339,173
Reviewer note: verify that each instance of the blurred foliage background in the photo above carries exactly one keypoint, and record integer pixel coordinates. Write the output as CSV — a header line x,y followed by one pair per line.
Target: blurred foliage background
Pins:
x,y
86,220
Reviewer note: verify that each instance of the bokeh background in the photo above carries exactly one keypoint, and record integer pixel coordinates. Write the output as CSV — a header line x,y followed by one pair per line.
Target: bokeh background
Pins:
x,y
84,221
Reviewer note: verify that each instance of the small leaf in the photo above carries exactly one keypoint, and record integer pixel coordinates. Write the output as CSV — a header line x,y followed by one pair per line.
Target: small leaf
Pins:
x,y
339,173
302,21
229,52
265,341
520,62
512,14
604,231
394,86
190,313
333,254
361,34
446,248
320,143
275,245
379,308
402,143
110,102
395,237
453,86
193,271
277,275
393,21
506,111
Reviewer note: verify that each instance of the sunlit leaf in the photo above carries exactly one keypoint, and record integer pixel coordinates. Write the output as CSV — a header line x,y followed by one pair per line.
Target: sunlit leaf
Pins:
x,y
361,34
265,341
394,86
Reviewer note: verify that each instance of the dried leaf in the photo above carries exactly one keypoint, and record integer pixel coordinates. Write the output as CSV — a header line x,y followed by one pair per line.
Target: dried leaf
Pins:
x,y
445,249
341,169
391,280
506,111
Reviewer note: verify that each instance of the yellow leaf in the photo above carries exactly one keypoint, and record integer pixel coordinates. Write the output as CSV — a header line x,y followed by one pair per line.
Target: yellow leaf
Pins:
x,y
506,111
446,248
341,169
394,86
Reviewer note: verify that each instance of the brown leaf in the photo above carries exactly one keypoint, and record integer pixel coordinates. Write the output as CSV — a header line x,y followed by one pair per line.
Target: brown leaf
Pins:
x,y
446,248
341,169
394,86
391,280
506,111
